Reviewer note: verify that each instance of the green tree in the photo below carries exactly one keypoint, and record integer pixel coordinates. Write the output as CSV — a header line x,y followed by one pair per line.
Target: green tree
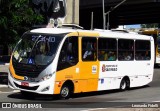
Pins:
x,y
153,25
16,17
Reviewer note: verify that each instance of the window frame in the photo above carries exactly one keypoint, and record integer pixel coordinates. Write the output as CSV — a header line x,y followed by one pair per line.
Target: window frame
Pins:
x,y
130,51
143,51
83,50
108,51
69,64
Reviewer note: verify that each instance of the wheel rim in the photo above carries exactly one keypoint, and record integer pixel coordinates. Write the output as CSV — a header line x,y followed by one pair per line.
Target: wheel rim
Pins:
x,y
65,92
123,86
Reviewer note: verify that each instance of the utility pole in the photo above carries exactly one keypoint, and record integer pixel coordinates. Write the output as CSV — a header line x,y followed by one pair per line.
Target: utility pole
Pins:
x,y
92,21
108,19
104,16
107,13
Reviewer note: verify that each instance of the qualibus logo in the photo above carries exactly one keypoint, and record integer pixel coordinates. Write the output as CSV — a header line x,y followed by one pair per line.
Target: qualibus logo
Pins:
x,y
109,68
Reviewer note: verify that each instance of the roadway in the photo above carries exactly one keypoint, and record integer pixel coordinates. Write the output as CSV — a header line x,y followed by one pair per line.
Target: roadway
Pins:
x,y
146,95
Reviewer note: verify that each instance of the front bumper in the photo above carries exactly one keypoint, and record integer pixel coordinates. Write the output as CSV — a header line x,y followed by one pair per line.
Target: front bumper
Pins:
x,y
45,87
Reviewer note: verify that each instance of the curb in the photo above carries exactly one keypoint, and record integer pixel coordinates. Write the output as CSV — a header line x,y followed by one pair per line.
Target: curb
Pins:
x,y
2,64
6,64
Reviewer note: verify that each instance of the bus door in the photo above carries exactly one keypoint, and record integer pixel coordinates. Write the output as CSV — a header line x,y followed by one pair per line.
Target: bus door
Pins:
x,y
68,63
89,64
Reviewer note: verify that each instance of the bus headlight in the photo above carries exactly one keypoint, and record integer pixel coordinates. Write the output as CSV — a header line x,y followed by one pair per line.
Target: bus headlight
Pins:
x,y
46,77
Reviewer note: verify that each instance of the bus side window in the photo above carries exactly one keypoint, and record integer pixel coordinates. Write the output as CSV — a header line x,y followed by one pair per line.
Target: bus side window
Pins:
x,y
125,50
89,49
69,53
142,48
107,49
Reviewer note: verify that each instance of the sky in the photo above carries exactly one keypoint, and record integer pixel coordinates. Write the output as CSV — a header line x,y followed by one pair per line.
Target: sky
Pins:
x,y
133,26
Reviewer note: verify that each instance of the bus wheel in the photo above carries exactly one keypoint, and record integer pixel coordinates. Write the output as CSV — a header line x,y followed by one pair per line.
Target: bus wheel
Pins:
x,y
123,85
65,92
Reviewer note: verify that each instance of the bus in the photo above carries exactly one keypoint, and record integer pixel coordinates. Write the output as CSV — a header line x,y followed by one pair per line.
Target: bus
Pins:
x,y
67,61
156,35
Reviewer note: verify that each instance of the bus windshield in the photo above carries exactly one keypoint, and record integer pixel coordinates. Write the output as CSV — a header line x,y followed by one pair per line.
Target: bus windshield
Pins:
x,y
36,49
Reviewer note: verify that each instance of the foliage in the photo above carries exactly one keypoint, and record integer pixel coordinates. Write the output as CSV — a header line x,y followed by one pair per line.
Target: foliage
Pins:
x,y
154,25
16,17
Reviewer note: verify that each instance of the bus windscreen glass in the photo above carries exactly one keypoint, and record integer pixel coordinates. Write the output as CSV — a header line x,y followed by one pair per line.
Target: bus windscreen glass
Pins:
x,y
36,49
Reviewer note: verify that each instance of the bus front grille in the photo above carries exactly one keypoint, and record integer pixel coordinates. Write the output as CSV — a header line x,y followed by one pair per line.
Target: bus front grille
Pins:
x,y
28,70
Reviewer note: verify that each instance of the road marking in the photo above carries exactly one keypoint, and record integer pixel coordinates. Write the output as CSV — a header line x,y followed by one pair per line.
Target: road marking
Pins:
x,y
6,86
15,91
156,101
4,92
3,86
94,109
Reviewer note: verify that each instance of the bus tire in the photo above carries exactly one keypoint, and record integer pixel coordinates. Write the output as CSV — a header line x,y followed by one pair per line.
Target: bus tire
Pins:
x,y
65,92
125,84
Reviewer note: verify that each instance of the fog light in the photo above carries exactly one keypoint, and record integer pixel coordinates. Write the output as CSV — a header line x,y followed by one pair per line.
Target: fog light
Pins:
x,y
45,89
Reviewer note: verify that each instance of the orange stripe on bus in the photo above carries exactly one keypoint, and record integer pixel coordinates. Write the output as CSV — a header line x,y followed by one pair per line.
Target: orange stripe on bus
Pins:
x,y
12,71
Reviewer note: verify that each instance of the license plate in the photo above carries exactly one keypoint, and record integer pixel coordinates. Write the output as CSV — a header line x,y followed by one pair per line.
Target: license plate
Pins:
x,y
24,84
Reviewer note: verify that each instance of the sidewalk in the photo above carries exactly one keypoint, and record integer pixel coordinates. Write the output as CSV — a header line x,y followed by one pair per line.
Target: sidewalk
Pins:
x,y
4,67
3,73
2,63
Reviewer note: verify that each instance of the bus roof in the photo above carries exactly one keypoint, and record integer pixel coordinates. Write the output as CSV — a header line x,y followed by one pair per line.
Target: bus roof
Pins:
x,y
97,33
123,35
52,30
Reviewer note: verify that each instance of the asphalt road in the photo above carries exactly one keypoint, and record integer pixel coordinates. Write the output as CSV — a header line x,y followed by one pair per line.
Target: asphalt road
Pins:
x,y
146,95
